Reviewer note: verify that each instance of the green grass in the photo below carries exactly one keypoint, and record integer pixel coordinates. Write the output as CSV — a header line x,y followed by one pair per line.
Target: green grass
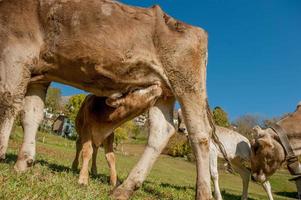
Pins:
x,y
170,178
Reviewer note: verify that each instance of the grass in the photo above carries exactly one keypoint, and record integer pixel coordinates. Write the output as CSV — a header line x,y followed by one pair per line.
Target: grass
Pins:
x,y
170,178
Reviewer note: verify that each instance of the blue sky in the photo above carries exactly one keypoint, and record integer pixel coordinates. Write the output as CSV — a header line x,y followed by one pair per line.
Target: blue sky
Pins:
x,y
254,52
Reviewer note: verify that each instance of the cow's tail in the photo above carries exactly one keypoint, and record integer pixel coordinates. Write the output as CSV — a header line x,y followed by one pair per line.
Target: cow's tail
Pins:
x,y
216,139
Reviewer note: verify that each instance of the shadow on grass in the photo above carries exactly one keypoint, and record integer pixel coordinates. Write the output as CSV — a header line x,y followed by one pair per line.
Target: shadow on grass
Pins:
x,y
177,187
10,158
61,168
229,196
54,167
293,195
153,189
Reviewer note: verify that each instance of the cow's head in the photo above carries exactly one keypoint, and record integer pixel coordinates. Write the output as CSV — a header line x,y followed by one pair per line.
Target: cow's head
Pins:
x,y
267,154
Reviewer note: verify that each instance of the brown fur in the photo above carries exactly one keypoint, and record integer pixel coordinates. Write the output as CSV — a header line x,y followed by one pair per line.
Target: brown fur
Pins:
x,y
267,152
96,121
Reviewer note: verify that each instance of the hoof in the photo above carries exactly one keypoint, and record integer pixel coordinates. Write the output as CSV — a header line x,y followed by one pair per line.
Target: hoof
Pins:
x,y
83,181
121,194
2,157
23,165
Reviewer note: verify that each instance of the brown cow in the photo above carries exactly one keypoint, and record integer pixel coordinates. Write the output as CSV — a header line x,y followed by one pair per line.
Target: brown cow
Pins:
x,y
96,121
268,153
238,150
108,49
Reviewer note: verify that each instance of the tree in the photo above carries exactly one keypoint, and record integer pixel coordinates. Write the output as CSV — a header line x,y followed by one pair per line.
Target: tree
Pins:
x,y
246,123
220,117
126,130
53,99
271,121
73,106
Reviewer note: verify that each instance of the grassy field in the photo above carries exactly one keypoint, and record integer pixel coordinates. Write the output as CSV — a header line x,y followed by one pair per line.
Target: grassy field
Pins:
x,y
170,178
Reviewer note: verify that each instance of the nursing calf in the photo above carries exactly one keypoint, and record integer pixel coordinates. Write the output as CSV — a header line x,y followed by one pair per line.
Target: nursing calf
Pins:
x,y
96,121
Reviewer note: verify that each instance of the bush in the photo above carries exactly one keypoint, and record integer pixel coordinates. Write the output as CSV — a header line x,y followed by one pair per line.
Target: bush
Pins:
x,y
178,146
124,131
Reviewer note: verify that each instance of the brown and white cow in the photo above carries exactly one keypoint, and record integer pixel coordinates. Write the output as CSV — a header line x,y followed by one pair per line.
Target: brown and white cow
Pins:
x,y
238,150
268,152
108,49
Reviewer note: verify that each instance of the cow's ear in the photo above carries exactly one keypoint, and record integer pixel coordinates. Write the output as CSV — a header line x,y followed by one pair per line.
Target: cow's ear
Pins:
x,y
257,132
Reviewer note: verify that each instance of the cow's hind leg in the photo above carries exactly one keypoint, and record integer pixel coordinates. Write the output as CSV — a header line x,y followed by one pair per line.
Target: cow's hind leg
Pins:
x,y
160,130
94,159
110,157
78,150
31,117
194,108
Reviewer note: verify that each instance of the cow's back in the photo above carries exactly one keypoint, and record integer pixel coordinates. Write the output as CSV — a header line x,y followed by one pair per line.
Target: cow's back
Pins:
x,y
19,22
100,29
236,145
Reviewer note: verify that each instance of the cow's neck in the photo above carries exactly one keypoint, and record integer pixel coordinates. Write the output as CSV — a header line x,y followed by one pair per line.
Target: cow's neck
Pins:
x,y
292,126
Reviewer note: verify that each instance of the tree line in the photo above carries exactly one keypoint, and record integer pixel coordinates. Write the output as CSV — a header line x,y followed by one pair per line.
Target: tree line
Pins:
x,y
243,124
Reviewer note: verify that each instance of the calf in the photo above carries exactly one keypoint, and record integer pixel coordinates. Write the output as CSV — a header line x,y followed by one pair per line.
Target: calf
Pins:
x,y
237,148
96,121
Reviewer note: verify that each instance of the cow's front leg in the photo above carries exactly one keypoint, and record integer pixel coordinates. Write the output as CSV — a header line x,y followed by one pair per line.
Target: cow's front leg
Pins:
x,y
267,187
86,154
214,171
160,130
32,116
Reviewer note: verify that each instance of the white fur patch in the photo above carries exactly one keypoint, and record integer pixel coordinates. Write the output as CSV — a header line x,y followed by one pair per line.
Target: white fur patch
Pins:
x,y
106,9
75,19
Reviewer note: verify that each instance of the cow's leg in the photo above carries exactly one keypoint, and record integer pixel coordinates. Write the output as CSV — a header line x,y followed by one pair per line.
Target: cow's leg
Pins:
x,y
6,125
110,157
245,176
194,109
86,154
267,187
214,172
94,159
160,130
14,78
32,115
78,150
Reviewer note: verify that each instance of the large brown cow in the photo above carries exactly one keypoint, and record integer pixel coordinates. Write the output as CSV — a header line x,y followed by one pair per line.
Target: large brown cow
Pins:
x,y
108,49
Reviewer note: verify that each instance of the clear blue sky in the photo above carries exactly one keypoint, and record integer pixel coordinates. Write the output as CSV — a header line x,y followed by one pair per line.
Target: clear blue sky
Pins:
x,y
254,52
